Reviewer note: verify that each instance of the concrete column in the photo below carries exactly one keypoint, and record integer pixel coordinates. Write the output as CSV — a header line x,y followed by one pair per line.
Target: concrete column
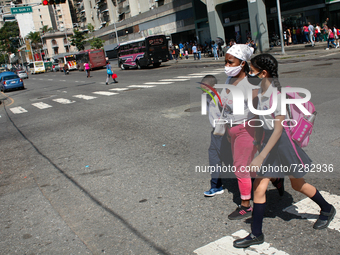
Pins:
x,y
112,11
258,23
215,19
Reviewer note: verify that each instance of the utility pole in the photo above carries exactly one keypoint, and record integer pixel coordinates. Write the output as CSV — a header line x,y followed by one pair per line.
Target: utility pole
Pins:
x,y
280,26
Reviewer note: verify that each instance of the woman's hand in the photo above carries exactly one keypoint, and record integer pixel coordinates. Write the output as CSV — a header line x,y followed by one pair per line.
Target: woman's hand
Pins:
x,y
256,164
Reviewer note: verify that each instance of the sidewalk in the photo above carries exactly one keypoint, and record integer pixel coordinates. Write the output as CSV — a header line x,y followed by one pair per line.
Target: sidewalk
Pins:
x,y
292,51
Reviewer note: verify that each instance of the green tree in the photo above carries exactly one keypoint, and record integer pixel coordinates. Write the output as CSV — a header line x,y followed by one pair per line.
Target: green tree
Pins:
x,y
90,27
78,39
4,58
35,39
9,37
96,43
45,29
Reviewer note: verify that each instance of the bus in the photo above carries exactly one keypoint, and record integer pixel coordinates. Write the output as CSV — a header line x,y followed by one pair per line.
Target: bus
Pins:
x,y
36,67
152,50
68,60
95,57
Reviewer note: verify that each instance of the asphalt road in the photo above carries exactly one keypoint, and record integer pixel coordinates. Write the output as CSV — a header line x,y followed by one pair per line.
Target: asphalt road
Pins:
x,y
89,170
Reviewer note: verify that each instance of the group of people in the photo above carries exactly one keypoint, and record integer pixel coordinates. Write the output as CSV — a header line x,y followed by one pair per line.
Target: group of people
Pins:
x,y
235,145
311,33
183,50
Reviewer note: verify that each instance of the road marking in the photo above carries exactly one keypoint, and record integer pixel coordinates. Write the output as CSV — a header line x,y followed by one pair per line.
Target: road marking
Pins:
x,y
175,80
85,97
102,82
212,73
157,83
309,210
62,80
76,81
42,105
191,76
50,79
33,78
195,74
63,101
18,110
104,93
225,246
141,86
41,79
119,89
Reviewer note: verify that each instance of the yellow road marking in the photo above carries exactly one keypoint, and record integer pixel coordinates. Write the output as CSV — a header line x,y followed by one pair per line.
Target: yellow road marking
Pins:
x,y
12,100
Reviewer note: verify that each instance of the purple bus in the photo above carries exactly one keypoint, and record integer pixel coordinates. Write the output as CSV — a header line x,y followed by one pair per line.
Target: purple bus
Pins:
x,y
140,53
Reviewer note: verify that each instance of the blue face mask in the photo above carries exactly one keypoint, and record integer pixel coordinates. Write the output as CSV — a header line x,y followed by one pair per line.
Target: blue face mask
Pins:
x,y
254,79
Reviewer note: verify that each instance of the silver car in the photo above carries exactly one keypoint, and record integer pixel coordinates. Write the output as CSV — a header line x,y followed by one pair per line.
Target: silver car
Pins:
x,y
22,74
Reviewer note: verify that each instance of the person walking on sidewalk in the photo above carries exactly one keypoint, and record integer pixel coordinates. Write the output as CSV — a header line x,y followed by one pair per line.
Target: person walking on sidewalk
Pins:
x,y
87,69
330,38
311,33
277,150
336,35
214,48
110,73
194,51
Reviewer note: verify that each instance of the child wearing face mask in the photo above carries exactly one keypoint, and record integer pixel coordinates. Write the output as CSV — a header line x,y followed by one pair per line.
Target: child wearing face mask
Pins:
x,y
240,133
278,150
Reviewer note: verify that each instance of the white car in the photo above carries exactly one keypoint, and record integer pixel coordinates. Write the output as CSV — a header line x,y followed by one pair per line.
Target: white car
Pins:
x,y
22,74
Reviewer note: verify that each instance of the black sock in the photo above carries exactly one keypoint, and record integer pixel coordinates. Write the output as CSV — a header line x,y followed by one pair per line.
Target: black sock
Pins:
x,y
324,205
258,213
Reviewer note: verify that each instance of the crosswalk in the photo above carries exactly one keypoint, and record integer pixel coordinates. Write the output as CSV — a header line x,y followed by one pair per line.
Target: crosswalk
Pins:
x,y
113,91
305,208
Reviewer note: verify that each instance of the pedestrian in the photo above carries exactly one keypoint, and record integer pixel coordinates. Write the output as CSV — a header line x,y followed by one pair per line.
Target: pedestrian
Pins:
x,y
53,68
181,49
240,133
194,51
65,68
277,150
177,52
318,32
336,36
306,33
294,36
298,35
311,33
220,148
214,49
110,73
199,51
87,69
285,38
289,34
330,38
325,30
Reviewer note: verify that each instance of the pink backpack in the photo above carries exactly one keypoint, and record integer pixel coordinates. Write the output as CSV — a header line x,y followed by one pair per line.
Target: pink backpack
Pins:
x,y
301,132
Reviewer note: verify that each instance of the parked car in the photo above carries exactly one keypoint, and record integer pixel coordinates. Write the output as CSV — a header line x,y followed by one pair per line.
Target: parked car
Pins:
x,y
22,74
9,80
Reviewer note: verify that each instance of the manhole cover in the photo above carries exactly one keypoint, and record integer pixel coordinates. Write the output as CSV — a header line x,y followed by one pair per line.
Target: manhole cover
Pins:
x,y
193,109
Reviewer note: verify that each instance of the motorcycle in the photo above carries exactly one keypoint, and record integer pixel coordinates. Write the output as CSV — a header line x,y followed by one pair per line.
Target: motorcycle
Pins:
x,y
275,40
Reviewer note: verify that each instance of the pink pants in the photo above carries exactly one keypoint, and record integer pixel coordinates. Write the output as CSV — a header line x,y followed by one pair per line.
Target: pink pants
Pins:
x,y
243,153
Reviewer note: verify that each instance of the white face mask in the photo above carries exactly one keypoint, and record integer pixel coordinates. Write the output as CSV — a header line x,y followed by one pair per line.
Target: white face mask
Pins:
x,y
233,71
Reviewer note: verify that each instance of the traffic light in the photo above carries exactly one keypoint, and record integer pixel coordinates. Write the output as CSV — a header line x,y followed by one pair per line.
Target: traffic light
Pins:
x,y
52,2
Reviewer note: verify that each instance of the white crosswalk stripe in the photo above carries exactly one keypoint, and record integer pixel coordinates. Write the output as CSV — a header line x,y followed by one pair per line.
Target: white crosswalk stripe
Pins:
x,y
119,89
42,105
309,210
174,80
84,97
63,101
105,93
158,83
141,86
212,73
190,77
224,246
18,110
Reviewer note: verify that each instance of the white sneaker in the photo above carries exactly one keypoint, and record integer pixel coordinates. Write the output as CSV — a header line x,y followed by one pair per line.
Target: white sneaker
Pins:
x,y
337,46
327,49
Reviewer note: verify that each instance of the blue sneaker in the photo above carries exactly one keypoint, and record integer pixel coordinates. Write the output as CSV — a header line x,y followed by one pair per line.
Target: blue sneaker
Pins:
x,y
214,191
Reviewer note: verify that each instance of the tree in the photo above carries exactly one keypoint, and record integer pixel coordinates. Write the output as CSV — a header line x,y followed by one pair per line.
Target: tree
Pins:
x,y
78,39
45,29
9,37
90,27
35,39
96,43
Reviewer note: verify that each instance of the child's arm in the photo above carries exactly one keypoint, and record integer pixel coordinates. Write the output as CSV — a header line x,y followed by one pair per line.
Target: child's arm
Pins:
x,y
257,162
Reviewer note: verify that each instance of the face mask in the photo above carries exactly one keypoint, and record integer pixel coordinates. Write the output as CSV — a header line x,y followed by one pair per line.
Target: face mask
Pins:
x,y
254,79
232,71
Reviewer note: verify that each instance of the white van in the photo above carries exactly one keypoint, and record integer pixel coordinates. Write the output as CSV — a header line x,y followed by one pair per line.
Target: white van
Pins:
x,y
36,67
